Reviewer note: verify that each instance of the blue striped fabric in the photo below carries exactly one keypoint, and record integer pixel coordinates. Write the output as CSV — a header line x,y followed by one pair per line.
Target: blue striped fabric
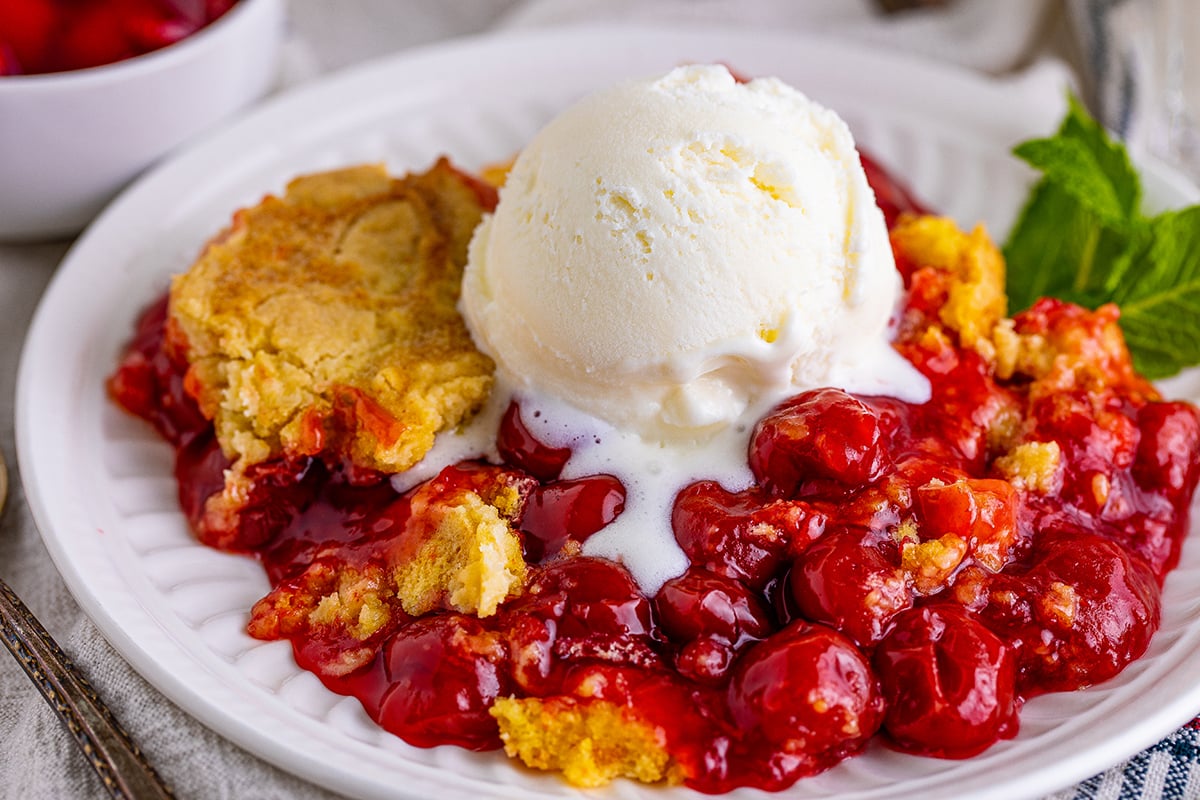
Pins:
x,y
1169,770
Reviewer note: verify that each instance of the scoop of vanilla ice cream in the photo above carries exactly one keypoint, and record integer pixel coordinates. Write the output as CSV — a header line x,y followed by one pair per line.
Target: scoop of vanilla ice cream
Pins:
x,y
675,254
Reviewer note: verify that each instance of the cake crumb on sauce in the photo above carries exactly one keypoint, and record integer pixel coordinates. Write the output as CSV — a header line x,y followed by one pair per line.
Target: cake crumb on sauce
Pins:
x,y
590,741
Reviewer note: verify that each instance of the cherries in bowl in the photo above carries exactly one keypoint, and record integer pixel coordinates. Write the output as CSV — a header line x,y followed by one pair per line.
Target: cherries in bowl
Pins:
x,y
74,137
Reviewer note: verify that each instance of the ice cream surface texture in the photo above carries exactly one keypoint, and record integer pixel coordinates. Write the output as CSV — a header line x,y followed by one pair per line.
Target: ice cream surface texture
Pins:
x,y
675,255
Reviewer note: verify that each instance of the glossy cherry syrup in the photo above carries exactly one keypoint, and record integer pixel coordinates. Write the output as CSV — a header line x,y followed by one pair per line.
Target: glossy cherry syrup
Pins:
x,y
880,577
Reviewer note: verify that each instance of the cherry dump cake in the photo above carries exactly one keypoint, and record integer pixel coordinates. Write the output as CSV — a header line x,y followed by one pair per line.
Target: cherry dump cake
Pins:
x,y
323,321
904,568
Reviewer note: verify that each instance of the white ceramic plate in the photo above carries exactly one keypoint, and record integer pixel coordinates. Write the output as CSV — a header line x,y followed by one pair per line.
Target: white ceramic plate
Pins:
x,y
101,487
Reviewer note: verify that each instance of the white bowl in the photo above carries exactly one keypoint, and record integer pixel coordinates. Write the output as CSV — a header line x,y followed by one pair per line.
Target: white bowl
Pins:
x,y
70,140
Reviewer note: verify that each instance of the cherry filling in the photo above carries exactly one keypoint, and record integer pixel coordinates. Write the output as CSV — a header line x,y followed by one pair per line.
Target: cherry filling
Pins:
x,y
948,682
38,36
804,699
884,576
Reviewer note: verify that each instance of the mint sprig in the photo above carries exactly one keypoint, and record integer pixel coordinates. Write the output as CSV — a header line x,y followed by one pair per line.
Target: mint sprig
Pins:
x,y
1082,237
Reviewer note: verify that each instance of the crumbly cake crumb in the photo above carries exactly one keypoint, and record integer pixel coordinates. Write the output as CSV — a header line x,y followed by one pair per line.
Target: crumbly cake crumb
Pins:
x,y
1074,349
1031,466
325,320
468,558
931,563
592,742
343,602
976,301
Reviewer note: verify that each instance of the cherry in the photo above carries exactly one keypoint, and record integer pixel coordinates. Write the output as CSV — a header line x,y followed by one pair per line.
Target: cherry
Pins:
x,y
1100,604
522,449
568,511
91,36
807,697
710,618
27,29
948,681
701,603
820,435
588,609
591,596
1168,454
1095,444
851,582
981,511
967,406
742,535
1083,610
38,36
443,673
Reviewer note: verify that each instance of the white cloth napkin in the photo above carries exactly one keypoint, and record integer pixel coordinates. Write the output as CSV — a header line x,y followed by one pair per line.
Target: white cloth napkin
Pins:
x,y
37,758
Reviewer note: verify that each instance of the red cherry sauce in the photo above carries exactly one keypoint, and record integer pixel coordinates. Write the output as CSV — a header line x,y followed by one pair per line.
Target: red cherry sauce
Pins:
x,y
557,512
881,577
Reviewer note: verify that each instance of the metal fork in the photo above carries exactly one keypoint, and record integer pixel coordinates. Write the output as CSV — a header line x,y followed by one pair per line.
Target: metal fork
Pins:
x,y
118,762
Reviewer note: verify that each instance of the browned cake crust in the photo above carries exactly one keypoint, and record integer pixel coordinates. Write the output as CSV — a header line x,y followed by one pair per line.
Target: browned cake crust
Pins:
x,y
324,321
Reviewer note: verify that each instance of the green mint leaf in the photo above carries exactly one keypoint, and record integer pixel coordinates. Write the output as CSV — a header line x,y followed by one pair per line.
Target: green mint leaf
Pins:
x,y
1081,218
1159,295
1086,163
1082,237
1109,155
1070,165
1036,249
1054,230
